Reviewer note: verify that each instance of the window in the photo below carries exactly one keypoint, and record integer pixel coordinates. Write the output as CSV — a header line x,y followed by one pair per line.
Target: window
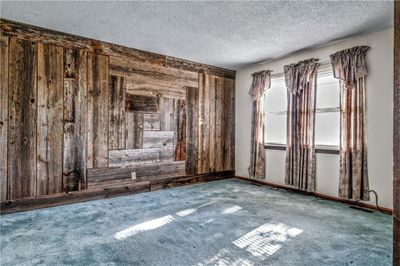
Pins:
x,y
327,117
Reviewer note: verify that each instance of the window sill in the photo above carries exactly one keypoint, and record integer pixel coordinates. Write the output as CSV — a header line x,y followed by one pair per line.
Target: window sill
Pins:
x,y
324,149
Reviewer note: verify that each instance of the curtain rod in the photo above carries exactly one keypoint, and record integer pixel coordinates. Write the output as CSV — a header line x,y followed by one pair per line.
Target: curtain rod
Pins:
x,y
322,63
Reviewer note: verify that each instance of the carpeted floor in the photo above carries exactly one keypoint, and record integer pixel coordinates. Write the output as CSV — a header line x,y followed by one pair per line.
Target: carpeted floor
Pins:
x,y
229,222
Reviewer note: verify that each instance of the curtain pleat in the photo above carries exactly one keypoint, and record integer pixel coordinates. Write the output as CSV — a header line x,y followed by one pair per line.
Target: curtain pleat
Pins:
x,y
350,68
300,150
261,82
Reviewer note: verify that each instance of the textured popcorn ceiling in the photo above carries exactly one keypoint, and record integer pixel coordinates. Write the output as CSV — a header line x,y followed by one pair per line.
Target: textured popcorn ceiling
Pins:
x,y
227,34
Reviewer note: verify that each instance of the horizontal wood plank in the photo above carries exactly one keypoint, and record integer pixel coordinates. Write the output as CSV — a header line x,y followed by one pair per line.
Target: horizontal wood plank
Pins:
x,y
158,139
133,157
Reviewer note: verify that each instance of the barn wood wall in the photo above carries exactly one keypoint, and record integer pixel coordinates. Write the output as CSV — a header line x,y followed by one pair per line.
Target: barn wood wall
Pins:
x,y
77,113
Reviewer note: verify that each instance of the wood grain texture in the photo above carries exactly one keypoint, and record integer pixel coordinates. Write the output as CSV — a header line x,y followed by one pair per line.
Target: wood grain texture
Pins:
x,y
396,138
212,119
143,171
204,121
138,122
229,126
180,129
219,125
22,100
151,122
97,113
192,129
167,113
149,88
116,129
50,100
140,103
75,124
158,139
4,44
125,158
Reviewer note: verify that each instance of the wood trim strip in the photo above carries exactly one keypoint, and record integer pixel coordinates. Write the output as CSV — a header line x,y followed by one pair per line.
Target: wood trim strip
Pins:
x,y
38,34
58,199
319,195
317,149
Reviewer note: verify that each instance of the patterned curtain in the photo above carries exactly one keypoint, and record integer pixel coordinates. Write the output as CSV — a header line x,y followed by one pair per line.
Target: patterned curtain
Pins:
x,y
261,82
350,68
301,82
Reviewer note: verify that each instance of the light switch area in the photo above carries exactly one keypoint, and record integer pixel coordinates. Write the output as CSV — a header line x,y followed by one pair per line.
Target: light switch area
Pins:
x,y
133,175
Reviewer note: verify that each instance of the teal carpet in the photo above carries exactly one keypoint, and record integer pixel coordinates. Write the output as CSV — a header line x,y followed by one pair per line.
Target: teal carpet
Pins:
x,y
229,222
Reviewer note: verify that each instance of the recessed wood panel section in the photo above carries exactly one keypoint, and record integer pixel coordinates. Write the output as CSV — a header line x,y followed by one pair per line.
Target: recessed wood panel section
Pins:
x,y
50,99
192,97
97,111
140,103
158,139
143,171
151,122
4,43
124,158
134,130
116,129
75,124
22,100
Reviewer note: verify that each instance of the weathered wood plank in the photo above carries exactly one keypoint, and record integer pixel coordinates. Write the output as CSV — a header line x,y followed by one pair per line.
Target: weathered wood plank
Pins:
x,y
143,171
75,129
148,72
4,44
97,115
107,190
213,110
139,103
204,130
192,130
138,121
22,101
219,125
50,95
150,88
116,130
158,139
167,113
151,121
229,110
124,158
180,130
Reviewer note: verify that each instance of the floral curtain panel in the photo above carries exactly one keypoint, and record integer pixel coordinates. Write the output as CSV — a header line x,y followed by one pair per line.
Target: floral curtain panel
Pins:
x,y
261,82
301,83
350,68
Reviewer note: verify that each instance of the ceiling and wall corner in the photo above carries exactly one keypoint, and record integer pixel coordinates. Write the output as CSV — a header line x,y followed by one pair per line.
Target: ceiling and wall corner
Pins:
x,y
226,34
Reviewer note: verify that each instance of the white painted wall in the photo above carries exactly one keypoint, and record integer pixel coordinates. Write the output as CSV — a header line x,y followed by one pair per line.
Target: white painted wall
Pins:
x,y
379,118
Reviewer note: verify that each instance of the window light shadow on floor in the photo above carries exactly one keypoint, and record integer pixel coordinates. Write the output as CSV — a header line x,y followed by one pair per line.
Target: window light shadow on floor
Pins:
x,y
225,258
267,239
159,222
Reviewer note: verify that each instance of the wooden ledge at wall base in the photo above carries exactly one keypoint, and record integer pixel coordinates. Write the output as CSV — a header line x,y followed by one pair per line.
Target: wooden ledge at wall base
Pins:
x,y
316,194
32,203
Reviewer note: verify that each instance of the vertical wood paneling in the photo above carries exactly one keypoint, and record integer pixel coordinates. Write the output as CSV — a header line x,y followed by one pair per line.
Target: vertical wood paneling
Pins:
x,y
219,125
212,150
129,130
204,121
22,101
138,121
97,115
180,130
116,132
167,114
192,98
3,115
75,108
229,124
50,119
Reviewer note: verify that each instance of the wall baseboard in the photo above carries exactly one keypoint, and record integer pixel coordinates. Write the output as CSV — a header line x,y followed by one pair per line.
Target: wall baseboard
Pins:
x,y
319,195
33,203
